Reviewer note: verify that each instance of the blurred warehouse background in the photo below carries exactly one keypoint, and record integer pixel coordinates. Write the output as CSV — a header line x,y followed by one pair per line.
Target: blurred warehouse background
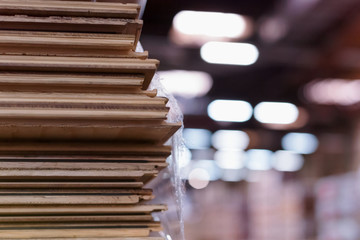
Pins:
x,y
270,91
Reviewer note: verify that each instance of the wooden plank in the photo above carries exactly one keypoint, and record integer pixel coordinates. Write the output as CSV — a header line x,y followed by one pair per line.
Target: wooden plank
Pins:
x,y
54,80
104,158
49,111
81,64
50,190
88,218
76,186
73,174
78,210
59,130
72,165
72,24
33,200
93,147
75,233
97,238
69,8
151,226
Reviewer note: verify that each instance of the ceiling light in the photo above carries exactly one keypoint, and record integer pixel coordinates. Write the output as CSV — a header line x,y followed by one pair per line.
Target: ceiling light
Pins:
x,y
276,112
304,143
199,27
258,159
333,91
229,53
230,159
196,138
230,110
187,84
287,161
230,139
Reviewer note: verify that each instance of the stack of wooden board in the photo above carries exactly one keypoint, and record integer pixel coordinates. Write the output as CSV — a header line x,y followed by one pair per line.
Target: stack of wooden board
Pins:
x,y
80,134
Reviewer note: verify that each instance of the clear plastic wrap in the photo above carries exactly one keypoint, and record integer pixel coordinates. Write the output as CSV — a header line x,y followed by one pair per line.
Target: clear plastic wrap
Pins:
x,y
168,186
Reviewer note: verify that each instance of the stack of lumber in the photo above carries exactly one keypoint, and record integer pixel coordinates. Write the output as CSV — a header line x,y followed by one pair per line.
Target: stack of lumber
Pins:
x,y
80,134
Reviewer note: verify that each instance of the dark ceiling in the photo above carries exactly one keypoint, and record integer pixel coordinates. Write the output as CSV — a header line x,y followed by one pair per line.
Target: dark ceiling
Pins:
x,y
315,33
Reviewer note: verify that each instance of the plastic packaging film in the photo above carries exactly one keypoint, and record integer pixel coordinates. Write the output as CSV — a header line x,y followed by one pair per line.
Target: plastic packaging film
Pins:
x,y
168,186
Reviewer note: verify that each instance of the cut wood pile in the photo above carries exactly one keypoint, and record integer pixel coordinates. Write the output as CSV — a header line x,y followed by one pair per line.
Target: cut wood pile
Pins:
x,y
80,134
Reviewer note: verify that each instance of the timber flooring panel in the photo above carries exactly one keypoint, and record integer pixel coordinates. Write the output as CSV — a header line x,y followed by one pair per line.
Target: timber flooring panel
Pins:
x,y
69,8
80,65
79,210
75,232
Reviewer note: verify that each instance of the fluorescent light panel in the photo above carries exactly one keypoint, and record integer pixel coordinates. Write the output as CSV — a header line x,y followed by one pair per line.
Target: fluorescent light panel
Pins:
x,y
196,138
276,112
210,24
230,110
229,53
303,143
287,161
230,139
187,84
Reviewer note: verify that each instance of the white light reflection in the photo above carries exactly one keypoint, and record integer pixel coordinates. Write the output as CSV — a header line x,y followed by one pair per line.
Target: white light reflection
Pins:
x,y
187,84
196,138
185,158
333,91
211,24
287,161
208,165
304,143
230,159
258,159
276,112
230,139
230,110
199,178
229,53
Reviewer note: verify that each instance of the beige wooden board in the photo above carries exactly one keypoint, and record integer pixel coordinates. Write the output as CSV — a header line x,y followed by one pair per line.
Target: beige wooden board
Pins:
x,y
72,24
126,94
112,158
97,238
81,64
129,219
33,200
73,233
72,165
69,8
123,149
54,80
55,130
151,226
68,41
71,52
75,186
73,174
50,190
49,112
78,210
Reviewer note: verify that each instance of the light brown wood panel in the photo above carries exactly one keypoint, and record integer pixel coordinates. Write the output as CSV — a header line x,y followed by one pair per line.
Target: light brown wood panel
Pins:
x,y
32,200
76,186
81,64
151,226
87,218
73,24
75,233
55,165
50,190
78,210
69,8
97,238
54,130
